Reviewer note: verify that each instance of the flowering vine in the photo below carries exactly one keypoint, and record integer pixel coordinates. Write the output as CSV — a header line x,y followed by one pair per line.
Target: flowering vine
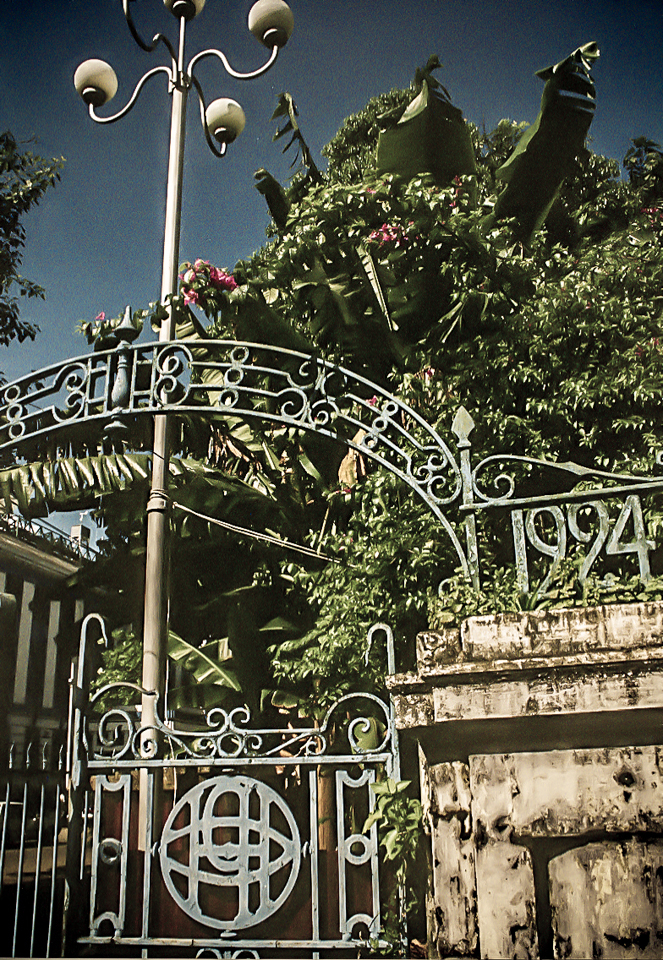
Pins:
x,y
390,233
201,284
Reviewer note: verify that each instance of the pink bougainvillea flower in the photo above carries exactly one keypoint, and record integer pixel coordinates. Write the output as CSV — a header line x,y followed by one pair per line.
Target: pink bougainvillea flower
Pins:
x,y
100,316
191,296
390,233
372,401
221,279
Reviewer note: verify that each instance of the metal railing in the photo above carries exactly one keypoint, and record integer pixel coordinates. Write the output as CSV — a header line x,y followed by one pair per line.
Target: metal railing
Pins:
x,y
56,541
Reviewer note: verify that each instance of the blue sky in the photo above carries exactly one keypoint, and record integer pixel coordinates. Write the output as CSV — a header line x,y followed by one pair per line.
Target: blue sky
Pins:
x,y
95,242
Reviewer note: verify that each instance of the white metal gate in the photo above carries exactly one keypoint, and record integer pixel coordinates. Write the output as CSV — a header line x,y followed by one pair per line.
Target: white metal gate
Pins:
x,y
224,840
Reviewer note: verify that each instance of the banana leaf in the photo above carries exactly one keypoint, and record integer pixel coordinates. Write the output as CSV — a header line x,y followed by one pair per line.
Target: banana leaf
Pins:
x,y
207,670
275,195
257,322
430,137
286,107
548,151
73,483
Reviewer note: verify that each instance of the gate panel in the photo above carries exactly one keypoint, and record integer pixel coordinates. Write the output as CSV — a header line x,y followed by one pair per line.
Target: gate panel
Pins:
x,y
228,838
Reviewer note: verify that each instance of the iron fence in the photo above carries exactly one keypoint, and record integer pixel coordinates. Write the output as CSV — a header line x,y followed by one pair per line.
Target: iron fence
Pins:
x,y
33,845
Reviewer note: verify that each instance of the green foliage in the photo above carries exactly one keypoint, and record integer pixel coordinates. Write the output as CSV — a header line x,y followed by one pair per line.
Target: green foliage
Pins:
x,y
24,178
120,663
644,165
554,349
351,152
549,150
457,599
287,108
430,137
399,819
100,332
388,560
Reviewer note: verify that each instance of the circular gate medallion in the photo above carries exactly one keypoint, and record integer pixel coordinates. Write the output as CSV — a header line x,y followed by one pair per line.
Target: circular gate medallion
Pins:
x,y
234,833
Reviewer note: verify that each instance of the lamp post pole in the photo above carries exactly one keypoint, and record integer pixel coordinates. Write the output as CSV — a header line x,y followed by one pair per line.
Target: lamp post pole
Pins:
x,y
155,613
271,22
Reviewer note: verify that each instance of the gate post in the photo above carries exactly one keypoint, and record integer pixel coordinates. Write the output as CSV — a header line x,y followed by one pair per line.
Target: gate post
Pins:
x,y
76,782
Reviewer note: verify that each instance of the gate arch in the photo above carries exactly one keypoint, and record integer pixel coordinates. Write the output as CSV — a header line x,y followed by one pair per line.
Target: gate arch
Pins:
x,y
230,378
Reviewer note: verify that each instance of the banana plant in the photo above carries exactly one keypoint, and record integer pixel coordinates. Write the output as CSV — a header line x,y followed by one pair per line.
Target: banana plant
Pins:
x,y
430,136
550,148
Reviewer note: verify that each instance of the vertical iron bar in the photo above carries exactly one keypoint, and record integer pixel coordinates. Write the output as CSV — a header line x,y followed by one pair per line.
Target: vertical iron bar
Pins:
x,y
5,821
156,593
375,862
395,764
147,869
54,871
84,814
462,427
340,837
37,869
155,612
520,550
77,778
315,853
94,860
21,856
70,724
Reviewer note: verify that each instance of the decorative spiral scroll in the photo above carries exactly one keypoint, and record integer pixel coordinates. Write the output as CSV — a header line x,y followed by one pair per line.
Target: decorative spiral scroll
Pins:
x,y
323,412
75,380
504,484
293,403
169,366
364,725
360,723
226,734
306,374
116,733
334,383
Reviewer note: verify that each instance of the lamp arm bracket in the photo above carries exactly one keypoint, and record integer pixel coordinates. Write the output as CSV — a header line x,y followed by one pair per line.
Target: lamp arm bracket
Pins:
x,y
139,86
217,151
158,37
229,70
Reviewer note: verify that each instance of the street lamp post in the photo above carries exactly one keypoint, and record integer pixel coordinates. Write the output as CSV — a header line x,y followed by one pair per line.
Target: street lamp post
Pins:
x,y
271,22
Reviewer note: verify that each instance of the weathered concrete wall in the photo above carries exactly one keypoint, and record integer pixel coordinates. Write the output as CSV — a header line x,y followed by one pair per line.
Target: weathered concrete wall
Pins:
x,y
606,900
452,919
542,852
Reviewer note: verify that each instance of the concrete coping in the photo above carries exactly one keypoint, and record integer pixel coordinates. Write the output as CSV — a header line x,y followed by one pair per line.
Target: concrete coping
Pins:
x,y
590,634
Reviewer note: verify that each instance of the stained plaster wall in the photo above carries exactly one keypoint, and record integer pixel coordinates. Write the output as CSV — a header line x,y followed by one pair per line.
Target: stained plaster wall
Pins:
x,y
541,760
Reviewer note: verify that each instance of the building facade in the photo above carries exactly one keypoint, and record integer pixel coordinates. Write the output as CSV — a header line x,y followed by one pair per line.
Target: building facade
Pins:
x,y
40,616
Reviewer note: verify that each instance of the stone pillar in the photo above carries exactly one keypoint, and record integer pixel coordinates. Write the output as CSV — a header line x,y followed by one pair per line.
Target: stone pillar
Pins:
x,y
541,740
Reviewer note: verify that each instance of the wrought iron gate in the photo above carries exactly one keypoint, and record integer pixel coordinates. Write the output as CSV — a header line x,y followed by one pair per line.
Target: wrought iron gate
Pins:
x,y
224,840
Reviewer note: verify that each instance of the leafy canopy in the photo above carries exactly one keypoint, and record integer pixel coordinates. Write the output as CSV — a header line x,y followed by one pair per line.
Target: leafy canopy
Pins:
x,y
551,343
24,179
